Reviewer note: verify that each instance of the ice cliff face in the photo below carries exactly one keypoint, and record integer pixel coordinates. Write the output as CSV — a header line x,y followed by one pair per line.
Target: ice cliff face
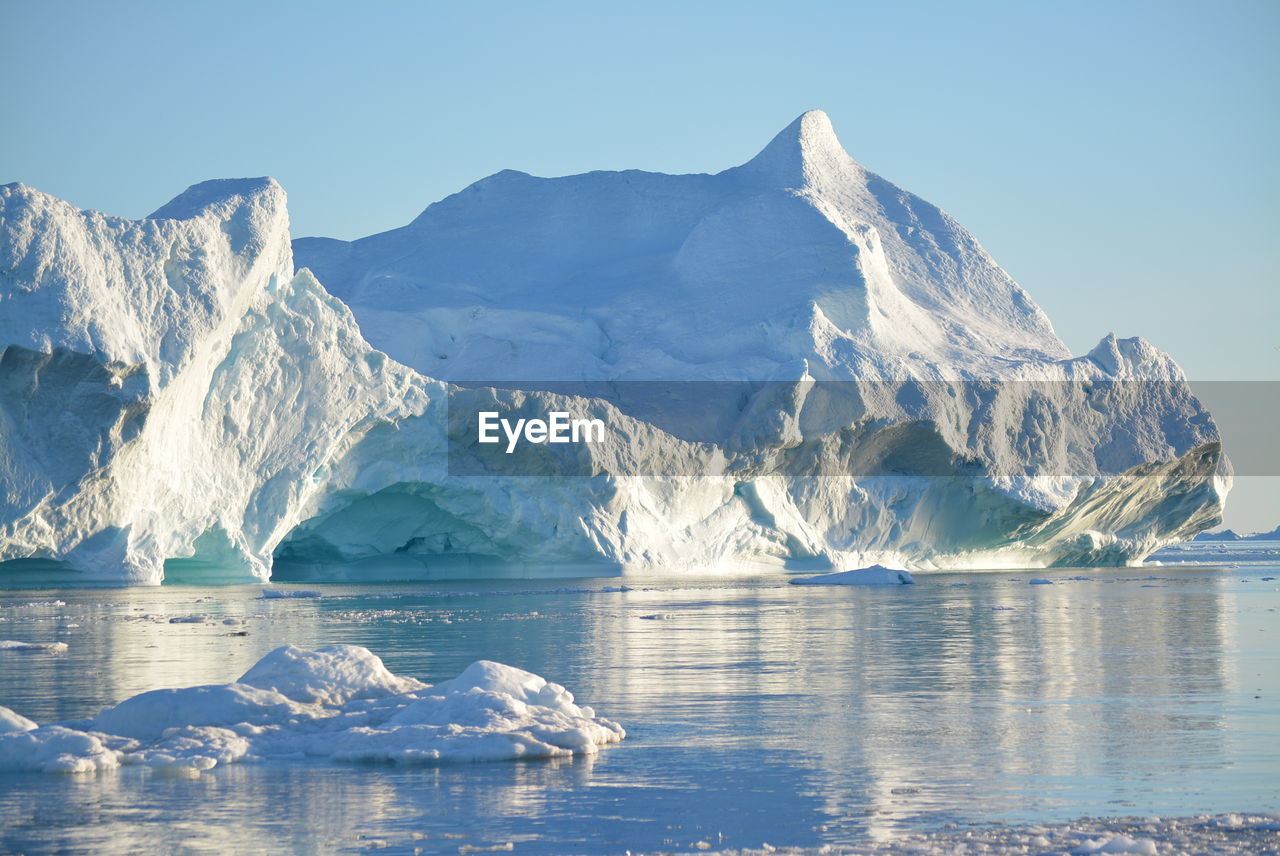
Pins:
x,y
176,400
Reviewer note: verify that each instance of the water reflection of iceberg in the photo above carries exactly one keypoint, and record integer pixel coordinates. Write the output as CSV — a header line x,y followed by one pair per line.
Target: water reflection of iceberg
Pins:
x,y
764,711
964,701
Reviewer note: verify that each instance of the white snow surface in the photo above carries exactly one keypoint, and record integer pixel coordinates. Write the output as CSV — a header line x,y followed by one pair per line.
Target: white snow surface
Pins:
x,y
178,401
10,721
876,575
338,702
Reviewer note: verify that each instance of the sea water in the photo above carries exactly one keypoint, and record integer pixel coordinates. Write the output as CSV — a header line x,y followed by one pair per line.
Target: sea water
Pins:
x,y
756,711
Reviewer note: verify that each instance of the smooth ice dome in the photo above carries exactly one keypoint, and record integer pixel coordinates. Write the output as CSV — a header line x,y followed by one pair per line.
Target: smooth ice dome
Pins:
x,y
876,575
339,703
180,401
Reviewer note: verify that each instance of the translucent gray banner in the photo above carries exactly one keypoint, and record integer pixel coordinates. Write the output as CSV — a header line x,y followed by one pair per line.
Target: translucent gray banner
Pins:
x,y
933,428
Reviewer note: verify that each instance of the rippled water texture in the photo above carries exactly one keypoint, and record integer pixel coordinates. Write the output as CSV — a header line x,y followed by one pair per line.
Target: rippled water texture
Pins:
x,y
755,710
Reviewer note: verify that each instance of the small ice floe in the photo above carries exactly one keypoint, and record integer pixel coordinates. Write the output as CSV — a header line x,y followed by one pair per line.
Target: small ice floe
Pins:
x,y
51,647
1002,609
617,588
876,575
37,604
274,594
338,703
187,619
1116,844
660,616
1039,581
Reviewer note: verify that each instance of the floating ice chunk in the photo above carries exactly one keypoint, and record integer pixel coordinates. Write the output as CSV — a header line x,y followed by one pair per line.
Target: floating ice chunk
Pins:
x,y
330,676
876,575
339,703
187,619
54,749
1039,581
10,721
275,594
51,647
1117,844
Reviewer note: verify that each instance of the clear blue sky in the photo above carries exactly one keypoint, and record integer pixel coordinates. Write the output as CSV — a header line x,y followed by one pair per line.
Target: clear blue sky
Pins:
x,y
1120,159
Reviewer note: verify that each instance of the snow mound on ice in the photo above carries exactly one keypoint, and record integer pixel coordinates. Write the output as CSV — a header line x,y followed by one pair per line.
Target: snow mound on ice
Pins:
x,y
147,716
10,721
329,676
876,575
339,703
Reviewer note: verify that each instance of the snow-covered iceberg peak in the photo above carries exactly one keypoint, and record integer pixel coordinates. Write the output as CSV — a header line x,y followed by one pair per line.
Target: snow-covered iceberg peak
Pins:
x,y
799,254
805,152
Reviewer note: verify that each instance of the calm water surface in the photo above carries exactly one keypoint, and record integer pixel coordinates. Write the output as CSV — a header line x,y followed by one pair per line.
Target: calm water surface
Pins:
x,y
756,711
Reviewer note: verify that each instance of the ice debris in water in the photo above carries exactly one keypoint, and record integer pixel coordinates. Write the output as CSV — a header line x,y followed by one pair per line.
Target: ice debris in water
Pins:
x,y
53,647
1225,835
273,594
338,702
876,575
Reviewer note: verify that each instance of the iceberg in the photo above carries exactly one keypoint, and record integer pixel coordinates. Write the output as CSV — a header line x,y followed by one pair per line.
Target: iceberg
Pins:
x,y
339,703
848,374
